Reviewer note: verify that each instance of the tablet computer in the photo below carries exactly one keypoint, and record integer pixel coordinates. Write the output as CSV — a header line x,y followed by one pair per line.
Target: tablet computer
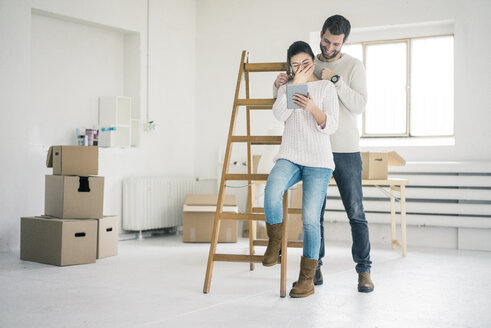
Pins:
x,y
291,90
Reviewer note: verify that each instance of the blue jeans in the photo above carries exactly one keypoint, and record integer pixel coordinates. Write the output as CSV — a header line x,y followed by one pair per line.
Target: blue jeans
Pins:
x,y
315,181
348,179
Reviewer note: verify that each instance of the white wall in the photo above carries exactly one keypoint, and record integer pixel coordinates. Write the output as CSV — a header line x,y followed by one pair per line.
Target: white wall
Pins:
x,y
194,54
267,28
35,114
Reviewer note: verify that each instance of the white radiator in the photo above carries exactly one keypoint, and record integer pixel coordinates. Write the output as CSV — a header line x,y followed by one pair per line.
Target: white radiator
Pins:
x,y
154,202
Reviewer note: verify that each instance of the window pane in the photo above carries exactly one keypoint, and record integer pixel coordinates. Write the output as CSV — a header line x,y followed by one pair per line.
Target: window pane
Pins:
x,y
432,78
386,81
354,50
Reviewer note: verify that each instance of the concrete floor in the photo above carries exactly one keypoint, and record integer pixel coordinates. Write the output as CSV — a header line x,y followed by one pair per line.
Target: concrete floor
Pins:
x,y
157,282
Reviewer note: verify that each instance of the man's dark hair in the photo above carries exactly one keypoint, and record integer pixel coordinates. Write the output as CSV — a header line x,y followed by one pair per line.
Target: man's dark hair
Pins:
x,y
296,48
337,25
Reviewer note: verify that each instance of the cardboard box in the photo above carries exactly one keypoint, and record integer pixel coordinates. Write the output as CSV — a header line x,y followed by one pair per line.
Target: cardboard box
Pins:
x,y
107,236
58,241
73,160
74,197
199,215
375,164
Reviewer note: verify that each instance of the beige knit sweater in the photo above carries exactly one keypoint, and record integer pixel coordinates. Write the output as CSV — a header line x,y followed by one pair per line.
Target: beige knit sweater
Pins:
x,y
304,141
352,92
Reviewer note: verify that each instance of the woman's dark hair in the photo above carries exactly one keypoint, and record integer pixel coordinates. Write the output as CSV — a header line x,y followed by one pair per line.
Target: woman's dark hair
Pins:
x,y
337,25
296,48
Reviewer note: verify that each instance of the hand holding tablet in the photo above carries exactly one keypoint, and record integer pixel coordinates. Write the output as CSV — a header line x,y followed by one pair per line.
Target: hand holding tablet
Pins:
x,y
291,90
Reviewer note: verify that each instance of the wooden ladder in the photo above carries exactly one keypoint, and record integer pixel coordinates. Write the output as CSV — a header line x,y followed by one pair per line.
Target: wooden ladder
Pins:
x,y
252,214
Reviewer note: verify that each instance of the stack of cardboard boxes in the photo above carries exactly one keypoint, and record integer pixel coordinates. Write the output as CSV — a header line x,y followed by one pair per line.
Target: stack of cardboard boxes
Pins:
x,y
73,229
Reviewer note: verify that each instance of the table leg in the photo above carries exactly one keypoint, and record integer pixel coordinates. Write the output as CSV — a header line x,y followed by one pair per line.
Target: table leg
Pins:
x,y
403,219
393,217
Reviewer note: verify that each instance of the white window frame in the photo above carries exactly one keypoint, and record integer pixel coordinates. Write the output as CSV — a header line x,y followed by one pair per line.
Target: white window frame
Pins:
x,y
408,42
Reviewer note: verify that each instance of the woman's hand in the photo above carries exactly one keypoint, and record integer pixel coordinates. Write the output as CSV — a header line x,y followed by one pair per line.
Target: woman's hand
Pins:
x,y
303,74
303,102
308,105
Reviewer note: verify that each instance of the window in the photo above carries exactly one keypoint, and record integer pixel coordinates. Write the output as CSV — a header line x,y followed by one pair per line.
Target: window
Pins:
x,y
410,86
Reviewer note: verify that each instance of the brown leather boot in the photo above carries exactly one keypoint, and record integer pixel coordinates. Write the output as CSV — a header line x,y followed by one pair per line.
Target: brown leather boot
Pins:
x,y
272,254
365,284
318,278
305,283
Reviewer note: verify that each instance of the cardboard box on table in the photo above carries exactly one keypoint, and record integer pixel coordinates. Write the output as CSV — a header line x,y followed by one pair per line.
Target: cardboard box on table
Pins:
x,y
199,215
58,241
376,164
73,160
74,197
107,236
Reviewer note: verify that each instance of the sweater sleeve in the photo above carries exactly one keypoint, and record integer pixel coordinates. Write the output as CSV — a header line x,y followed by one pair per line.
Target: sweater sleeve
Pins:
x,y
330,106
279,107
353,95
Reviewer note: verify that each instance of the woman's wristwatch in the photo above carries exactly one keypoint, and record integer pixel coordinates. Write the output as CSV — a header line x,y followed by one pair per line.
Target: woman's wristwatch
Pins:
x,y
335,79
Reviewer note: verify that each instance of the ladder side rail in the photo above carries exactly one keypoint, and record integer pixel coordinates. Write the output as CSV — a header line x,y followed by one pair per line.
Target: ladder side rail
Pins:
x,y
284,245
249,168
221,193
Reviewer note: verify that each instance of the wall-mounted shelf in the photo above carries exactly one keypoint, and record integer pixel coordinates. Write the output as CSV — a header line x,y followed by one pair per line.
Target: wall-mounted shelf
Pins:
x,y
115,122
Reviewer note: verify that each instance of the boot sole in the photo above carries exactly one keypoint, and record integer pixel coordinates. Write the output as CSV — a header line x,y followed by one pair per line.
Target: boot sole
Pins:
x,y
316,283
365,289
302,295
270,264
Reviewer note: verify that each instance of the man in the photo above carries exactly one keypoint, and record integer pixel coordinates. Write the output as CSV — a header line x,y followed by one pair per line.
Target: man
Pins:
x,y
349,77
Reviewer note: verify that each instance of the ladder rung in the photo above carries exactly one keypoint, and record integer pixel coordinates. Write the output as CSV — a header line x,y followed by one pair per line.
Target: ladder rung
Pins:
x,y
255,102
294,211
260,107
238,258
264,242
245,176
265,67
258,210
291,210
258,140
242,216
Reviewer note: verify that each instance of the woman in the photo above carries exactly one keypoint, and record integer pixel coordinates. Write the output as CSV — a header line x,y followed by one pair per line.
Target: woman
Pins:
x,y
305,155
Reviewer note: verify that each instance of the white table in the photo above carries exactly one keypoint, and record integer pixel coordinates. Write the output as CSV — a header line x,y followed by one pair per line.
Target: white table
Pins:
x,y
395,185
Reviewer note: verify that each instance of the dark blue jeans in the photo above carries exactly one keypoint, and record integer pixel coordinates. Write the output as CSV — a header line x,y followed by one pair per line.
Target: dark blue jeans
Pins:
x,y
348,179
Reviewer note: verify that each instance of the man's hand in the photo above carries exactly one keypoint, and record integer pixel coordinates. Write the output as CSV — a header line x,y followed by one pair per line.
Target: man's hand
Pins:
x,y
326,74
281,79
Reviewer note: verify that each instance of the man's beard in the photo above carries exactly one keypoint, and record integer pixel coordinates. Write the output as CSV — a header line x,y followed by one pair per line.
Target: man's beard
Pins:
x,y
324,54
